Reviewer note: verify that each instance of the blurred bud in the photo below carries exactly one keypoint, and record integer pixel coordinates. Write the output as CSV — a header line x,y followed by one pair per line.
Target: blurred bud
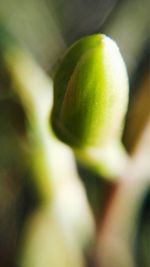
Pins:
x,y
90,94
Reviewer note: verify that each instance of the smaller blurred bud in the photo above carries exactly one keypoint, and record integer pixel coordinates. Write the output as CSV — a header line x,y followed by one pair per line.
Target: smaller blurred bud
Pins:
x,y
91,97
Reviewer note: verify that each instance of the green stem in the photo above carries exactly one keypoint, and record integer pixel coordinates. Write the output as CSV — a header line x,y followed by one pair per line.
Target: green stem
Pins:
x,y
109,161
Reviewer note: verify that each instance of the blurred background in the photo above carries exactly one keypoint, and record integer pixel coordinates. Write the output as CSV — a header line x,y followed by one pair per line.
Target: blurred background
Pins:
x,y
45,29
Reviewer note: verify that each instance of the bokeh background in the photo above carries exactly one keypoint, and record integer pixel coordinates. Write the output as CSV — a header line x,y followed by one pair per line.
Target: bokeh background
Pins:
x,y
46,28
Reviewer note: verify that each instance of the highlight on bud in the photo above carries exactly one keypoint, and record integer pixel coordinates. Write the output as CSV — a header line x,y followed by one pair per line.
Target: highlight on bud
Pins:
x,y
90,101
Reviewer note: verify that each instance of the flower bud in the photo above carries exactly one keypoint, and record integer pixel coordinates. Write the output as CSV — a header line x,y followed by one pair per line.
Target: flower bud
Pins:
x,y
90,94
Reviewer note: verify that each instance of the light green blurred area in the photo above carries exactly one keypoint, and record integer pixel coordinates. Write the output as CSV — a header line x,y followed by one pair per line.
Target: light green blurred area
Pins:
x,y
51,166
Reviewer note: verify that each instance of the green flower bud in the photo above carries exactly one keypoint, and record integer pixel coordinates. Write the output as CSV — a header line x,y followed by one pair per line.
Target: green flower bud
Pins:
x,y
90,95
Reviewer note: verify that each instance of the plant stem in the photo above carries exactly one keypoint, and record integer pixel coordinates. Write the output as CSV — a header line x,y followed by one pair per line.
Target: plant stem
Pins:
x,y
119,226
